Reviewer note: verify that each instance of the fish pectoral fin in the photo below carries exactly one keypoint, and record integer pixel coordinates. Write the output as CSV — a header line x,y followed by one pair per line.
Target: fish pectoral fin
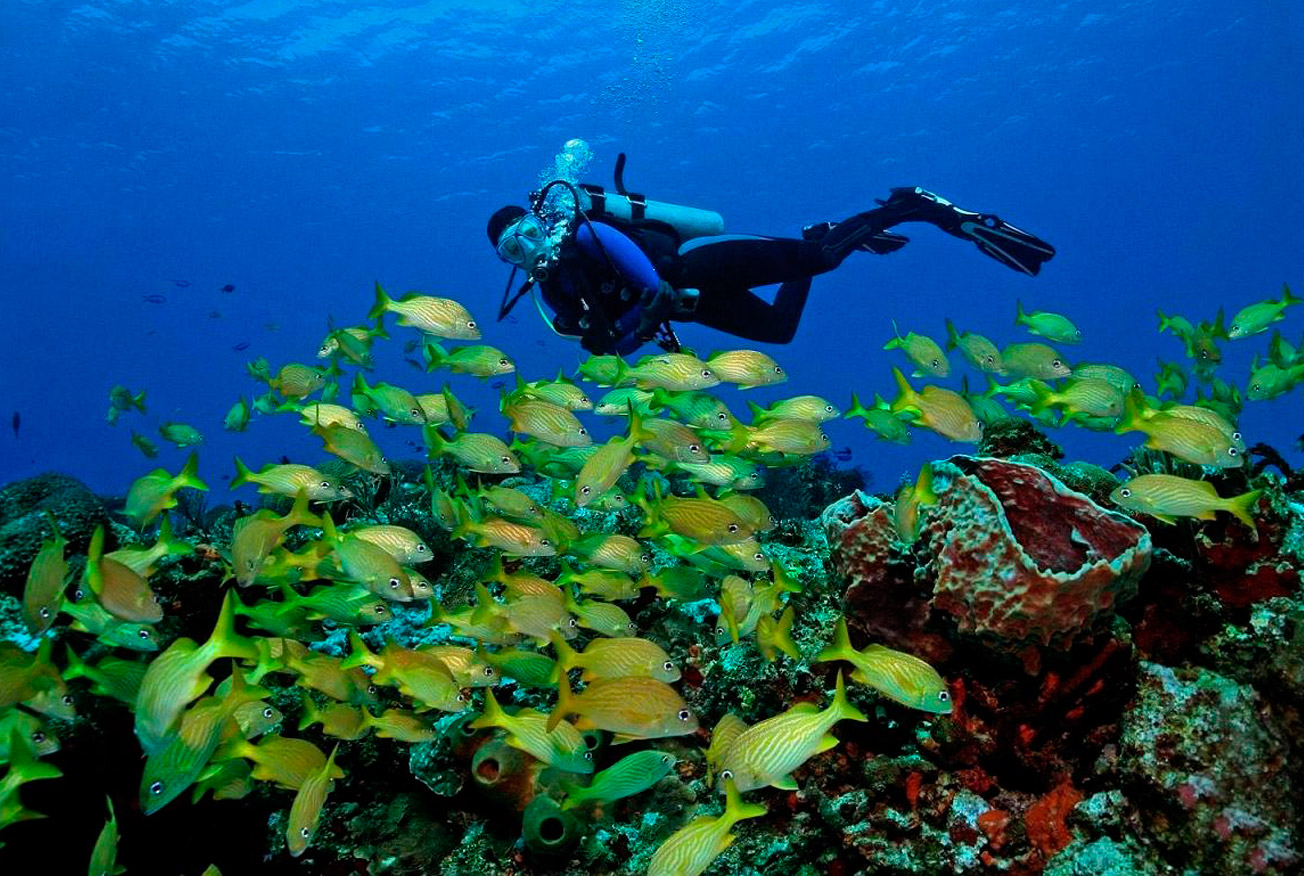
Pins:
x,y
1208,514
827,742
785,783
1164,518
622,738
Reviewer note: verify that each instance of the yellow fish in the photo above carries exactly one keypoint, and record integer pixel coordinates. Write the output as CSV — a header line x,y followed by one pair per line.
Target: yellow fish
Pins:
x,y
601,471
122,592
977,350
1167,497
898,676
767,752
607,551
546,421
1188,439
909,500
691,849
1055,327
401,543
297,381
47,578
441,317
747,368
306,809
476,451
288,479
943,411
559,745
704,520
672,371
1034,360
353,447
417,674
800,407
156,492
631,708
922,350
617,658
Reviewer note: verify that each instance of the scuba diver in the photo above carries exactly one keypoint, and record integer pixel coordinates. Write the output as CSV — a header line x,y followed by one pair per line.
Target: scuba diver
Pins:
x,y
616,269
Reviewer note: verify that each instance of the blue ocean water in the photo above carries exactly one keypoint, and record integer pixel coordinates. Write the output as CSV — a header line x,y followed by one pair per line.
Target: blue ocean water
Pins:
x,y
155,152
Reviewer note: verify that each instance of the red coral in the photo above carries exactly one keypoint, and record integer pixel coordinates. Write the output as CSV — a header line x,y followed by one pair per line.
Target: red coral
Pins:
x,y
1045,819
993,823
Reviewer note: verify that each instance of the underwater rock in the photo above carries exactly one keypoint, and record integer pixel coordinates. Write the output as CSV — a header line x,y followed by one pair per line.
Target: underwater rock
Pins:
x,y
1009,552
1210,770
23,525
1015,436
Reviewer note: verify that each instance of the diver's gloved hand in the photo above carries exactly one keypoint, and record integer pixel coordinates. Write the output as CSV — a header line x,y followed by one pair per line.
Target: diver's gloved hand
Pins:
x,y
658,306
994,237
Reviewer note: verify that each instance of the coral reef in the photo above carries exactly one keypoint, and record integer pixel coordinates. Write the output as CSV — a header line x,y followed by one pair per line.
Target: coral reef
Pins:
x,y
23,525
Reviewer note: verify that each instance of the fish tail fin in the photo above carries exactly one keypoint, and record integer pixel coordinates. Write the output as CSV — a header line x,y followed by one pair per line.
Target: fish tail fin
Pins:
x,y
839,647
1042,396
360,654
952,336
242,474
77,667
565,702
924,494
94,553
23,763
224,641
566,655
434,354
1021,317
783,634
897,341
493,714
1240,507
382,304
1287,297
1133,412
844,708
299,513
906,396
311,713
173,546
857,409
575,795
735,810
189,475
484,604
328,532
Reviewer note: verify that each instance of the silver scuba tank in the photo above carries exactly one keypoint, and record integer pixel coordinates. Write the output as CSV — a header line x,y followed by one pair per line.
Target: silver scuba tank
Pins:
x,y
597,202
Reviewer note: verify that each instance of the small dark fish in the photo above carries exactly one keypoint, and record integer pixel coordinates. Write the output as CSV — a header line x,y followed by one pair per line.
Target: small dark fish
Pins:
x,y
513,320
498,384
272,326
227,288
181,283
842,454
411,346
540,344
285,460
420,366
214,314
16,422
243,345
154,299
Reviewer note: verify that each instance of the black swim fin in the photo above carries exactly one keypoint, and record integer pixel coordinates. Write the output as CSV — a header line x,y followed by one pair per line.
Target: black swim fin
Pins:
x,y
1008,244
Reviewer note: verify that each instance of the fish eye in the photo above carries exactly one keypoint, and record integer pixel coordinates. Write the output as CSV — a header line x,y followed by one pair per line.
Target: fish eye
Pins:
x,y
719,631
632,627
1055,363
706,372
156,788
394,583
157,600
144,634
45,613
733,527
77,595
586,490
935,363
645,559
588,755
990,359
778,370
38,737
380,609
1125,493
944,695
668,666
303,832
505,460
325,485
544,542
416,412
726,775
67,700
758,556
461,697
1236,436
371,689
1231,451
583,431
268,713
572,623
470,323
488,672
722,417
684,714
693,448
421,549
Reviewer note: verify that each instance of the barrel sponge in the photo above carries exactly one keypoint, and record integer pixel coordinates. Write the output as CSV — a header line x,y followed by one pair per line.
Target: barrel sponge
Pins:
x,y
1011,553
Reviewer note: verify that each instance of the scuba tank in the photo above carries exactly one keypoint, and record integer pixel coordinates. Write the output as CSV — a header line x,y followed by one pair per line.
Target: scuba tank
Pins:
x,y
599,203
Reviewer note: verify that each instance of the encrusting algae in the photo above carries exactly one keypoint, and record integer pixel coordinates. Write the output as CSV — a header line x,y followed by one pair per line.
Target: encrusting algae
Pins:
x,y
616,559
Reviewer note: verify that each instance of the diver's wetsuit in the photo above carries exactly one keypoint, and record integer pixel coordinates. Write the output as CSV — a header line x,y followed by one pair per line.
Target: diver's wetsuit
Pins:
x,y
608,276
596,296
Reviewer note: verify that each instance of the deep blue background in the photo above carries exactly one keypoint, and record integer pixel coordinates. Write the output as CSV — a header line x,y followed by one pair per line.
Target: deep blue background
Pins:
x,y
302,150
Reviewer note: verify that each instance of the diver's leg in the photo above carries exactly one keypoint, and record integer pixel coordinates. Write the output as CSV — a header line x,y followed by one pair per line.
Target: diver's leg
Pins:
x,y
737,262
743,313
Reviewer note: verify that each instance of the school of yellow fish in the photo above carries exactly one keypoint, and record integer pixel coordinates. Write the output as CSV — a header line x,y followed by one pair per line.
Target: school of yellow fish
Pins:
x,y
696,463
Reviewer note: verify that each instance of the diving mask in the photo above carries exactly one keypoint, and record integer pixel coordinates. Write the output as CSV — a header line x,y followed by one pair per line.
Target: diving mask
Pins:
x,y
524,243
